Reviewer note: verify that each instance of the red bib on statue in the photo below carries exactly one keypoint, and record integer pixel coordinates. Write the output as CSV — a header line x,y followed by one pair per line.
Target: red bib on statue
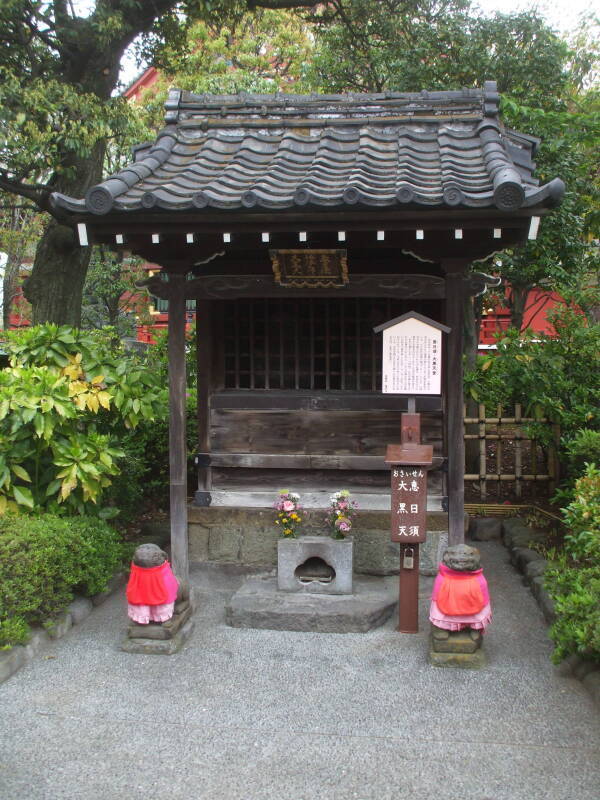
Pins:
x,y
151,586
458,596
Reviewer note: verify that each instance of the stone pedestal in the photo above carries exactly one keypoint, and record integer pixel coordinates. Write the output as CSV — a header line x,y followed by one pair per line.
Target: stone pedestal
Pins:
x,y
314,565
460,649
162,638
259,604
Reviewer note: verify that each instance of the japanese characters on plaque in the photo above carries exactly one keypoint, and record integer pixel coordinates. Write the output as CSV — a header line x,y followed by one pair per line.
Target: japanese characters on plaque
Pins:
x,y
409,504
412,358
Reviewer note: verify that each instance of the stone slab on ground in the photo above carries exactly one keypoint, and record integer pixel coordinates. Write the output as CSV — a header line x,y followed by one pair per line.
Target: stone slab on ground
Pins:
x,y
259,604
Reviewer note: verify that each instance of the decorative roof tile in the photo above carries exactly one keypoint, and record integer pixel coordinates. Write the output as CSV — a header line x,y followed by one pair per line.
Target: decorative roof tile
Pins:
x,y
286,151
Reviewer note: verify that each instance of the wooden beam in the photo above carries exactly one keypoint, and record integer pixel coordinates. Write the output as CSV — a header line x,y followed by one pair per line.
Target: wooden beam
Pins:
x,y
294,461
455,444
177,438
287,400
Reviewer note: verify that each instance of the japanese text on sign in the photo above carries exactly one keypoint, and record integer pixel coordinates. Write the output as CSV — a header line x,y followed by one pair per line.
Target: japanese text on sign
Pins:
x,y
411,358
409,504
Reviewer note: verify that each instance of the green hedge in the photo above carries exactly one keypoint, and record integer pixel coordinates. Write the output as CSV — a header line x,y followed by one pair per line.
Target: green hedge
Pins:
x,y
45,560
573,577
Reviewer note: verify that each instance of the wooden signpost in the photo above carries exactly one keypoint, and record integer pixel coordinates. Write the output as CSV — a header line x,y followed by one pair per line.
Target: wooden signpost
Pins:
x,y
412,359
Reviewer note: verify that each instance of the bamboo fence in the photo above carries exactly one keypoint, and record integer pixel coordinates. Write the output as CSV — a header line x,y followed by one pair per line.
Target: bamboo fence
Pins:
x,y
530,462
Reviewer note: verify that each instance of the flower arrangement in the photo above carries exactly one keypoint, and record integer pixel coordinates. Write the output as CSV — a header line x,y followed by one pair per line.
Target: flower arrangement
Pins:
x,y
341,514
288,518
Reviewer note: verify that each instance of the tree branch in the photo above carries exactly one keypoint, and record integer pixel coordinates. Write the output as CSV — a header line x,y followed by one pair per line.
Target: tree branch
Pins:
x,y
37,194
254,4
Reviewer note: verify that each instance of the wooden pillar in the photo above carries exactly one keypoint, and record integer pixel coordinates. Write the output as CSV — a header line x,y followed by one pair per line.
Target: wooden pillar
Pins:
x,y
177,438
454,401
204,380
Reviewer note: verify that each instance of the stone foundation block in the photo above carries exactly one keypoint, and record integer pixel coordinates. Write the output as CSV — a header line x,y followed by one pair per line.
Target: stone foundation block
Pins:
x,y
198,542
431,551
454,641
521,556
547,606
293,554
259,604
484,529
224,544
57,628
38,639
260,548
116,582
592,684
535,569
160,631
10,661
164,647
475,660
80,608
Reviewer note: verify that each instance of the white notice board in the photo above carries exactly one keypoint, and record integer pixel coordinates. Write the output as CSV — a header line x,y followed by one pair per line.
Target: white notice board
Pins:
x,y
412,358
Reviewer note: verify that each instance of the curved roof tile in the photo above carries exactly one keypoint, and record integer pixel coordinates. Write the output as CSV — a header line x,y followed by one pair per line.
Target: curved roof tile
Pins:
x,y
278,151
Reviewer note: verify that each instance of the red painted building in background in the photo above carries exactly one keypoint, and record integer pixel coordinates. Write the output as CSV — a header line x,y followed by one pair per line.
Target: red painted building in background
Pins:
x,y
497,319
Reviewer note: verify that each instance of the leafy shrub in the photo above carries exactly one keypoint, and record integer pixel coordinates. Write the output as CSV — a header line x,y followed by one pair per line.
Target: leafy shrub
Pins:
x,y
576,595
557,377
147,453
44,560
582,518
66,400
573,579
553,376
582,448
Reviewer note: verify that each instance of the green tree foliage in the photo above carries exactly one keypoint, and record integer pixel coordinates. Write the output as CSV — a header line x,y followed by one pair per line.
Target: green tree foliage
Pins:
x,y
229,50
550,88
59,69
367,45
65,401
563,257
110,293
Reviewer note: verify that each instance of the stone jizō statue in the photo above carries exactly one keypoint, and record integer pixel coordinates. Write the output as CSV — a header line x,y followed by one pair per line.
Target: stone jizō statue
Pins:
x,y
152,588
460,596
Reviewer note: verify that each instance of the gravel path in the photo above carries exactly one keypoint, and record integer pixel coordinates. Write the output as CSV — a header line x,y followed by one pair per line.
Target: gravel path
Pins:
x,y
246,714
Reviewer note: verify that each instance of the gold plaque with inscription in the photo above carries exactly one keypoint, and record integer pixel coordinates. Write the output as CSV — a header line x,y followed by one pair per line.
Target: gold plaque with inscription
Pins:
x,y
312,269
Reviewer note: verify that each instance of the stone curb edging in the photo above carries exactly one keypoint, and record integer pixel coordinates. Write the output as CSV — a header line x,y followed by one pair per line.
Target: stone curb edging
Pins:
x,y
78,610
516,537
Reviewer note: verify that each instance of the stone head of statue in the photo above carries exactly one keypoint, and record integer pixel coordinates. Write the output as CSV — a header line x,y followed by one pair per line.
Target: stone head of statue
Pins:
x,y
149,555
462,558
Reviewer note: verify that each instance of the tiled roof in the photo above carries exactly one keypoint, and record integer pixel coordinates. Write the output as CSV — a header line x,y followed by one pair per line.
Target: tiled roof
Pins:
x,y
270,152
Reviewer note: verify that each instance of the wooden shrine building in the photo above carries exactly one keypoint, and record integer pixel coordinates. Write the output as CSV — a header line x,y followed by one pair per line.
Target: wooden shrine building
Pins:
x,y
298,224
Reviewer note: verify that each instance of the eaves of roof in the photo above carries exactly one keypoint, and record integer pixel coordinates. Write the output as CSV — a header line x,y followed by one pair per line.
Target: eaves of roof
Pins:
x,y
284,152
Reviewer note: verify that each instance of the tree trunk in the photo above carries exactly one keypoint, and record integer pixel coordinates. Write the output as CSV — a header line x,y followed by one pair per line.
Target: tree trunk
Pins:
x,y
55,287
9,285
518,299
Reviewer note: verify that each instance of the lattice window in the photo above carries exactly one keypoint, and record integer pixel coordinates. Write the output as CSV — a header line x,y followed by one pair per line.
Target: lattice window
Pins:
x,y
319,344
